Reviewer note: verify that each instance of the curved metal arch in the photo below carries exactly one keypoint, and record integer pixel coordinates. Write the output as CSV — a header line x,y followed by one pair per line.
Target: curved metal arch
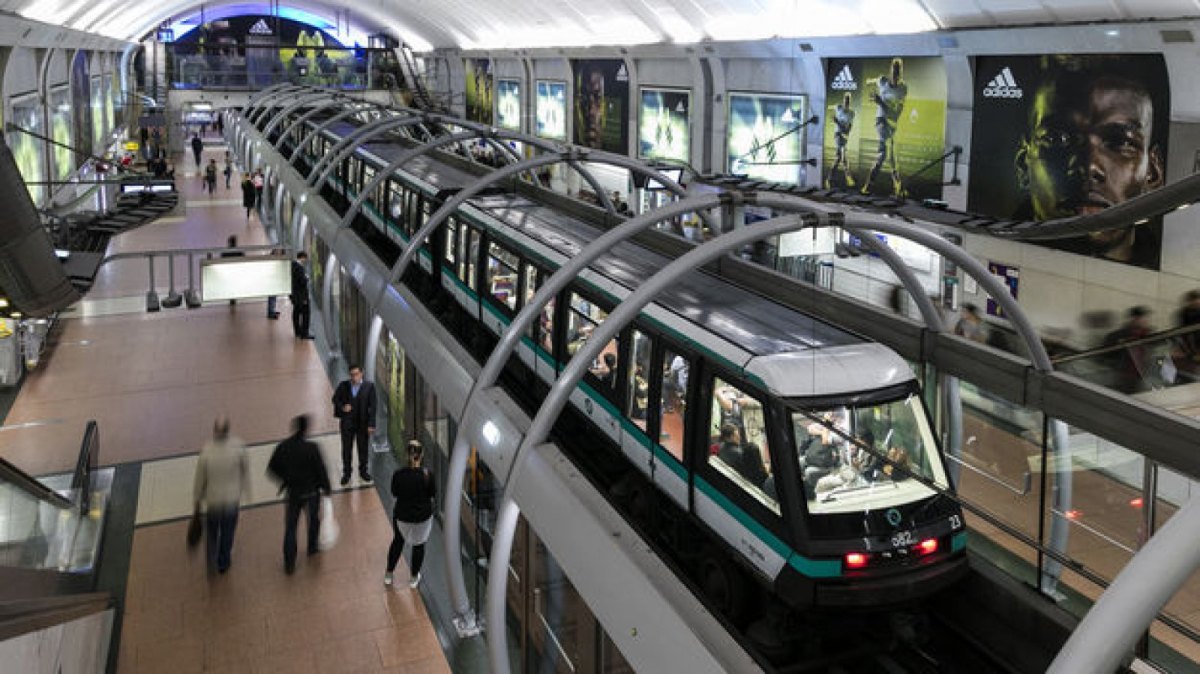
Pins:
x,y
323,105
508,343
300,101
559,394
348,112
261,108
258,96
346,146
404,158
461,197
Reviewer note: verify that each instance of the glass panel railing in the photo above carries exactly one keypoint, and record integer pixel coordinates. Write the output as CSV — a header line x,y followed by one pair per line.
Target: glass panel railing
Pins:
x,y
54,522
1162,369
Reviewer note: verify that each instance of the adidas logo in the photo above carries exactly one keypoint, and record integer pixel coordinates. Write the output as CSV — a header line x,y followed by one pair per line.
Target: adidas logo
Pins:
x,y
260,28
622,74
844,81
1003,86
681,108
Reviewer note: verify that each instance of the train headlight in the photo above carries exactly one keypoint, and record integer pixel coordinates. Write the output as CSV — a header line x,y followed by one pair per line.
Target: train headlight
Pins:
x,y
855,560
927,546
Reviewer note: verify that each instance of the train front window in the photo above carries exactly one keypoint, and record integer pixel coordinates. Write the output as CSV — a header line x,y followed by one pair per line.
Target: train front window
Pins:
x,y
866,456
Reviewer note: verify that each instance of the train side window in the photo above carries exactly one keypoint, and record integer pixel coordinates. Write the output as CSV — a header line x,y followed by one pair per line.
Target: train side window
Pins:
x,y
502,275
542,330
637,381
673,410
738,448
460,250
368,174
472,253
451,241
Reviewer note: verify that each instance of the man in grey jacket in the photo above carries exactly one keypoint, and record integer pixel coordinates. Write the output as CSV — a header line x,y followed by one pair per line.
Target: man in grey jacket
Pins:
x,y
220,482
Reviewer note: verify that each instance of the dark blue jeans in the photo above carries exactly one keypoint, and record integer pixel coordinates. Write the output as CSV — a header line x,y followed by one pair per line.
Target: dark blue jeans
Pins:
x,y
312,503
221,523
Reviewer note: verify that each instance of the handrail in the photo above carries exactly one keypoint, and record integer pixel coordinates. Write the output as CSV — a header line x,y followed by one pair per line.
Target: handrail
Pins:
x,y
188,251
23,616
85,464
1121,346
17,477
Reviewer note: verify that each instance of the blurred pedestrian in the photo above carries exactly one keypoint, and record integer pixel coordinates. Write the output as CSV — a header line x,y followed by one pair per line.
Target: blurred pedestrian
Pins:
x,y
221,480
1132,362
301,309
210,176
412,518
297,465
197,148
228,168
970,324
259,181
248,195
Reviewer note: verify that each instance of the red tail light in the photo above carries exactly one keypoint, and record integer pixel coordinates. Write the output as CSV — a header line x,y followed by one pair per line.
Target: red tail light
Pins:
x,y
928,546
855,560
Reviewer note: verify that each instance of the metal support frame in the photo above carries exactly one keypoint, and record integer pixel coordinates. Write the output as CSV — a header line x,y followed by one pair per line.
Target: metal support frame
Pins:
x,y
262,95
370,352
348,112
299,121
1124,612
260,108
552,405
346,146
300,101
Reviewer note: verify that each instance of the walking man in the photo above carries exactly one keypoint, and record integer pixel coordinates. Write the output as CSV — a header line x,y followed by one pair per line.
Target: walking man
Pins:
x,y
297,465
301,310
197,148
221,479
354,406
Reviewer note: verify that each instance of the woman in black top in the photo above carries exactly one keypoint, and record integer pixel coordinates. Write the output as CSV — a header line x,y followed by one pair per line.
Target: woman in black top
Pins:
x,y
412,518
248,194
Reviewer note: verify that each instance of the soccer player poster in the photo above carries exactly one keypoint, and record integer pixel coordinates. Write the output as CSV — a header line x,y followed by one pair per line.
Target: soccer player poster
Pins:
x,y
1063,135
885,126
508,104
601,104
478,90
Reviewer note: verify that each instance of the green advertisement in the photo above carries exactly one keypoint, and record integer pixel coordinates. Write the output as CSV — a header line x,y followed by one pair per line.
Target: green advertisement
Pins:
x,y
551,110
664,124
110,85
60,131
479,90
394,369
99,121
508,104
885,126
601,104
766,136
26,149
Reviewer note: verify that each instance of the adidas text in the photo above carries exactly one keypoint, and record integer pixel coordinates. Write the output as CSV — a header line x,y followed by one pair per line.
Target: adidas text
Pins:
x,y
844,81
1003,85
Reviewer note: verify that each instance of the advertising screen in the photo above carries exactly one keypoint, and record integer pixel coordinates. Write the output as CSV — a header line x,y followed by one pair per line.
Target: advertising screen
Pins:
x,y
508,104
885,122
766,136
664,124
27,149
1064,135
479,90
552,109
60,131
601,104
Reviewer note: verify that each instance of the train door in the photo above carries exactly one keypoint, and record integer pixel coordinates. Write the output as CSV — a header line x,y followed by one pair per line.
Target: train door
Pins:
x,y
734,490
541,333
584,313
671,368
501,287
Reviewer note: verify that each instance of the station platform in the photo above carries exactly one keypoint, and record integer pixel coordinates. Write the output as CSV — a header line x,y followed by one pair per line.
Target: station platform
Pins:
x,y
155,382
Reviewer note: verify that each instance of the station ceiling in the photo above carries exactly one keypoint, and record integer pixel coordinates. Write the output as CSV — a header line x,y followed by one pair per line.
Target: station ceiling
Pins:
x,y
499,24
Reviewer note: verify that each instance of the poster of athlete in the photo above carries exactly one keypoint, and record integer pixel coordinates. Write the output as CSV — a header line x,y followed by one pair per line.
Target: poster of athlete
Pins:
x,y
601,104
551,112
885,122
1056,136
664,130
478,90
508,104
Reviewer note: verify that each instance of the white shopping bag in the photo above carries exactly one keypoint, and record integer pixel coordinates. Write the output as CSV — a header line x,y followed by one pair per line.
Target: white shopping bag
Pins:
x,y
329,525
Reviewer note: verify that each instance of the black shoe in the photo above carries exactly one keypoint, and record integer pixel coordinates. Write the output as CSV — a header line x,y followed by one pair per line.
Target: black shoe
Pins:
x,y
222,569
313,551
307,337
345,479
273,317
366,477
289,569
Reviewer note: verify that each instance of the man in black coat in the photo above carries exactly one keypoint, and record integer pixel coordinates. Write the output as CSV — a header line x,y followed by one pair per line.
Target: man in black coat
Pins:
x,y
301,310
297,465
354,406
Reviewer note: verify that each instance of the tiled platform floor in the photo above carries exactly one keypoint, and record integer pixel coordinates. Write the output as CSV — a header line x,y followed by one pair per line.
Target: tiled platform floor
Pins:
x,y
333,615
155,382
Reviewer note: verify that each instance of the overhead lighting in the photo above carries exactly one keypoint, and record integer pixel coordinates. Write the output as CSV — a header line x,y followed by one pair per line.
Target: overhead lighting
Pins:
x,y
1112,32
16,314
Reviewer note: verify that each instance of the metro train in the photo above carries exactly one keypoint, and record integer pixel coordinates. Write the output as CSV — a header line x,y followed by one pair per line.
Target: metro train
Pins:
x,y
774,454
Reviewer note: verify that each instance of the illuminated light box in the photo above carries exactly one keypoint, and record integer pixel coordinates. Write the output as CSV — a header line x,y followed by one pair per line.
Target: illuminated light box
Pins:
x,y
235,278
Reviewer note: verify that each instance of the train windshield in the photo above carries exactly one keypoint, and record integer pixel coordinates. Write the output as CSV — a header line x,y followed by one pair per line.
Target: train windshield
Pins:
x,y
857,457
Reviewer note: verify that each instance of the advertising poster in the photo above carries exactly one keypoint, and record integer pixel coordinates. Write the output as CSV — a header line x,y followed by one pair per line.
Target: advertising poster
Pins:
x,y
885,126
81,106
1065,135
60,131
664,124
601,104
99,122
479,90
766,136
26,149
551,109
508,104
394,369
1010,276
